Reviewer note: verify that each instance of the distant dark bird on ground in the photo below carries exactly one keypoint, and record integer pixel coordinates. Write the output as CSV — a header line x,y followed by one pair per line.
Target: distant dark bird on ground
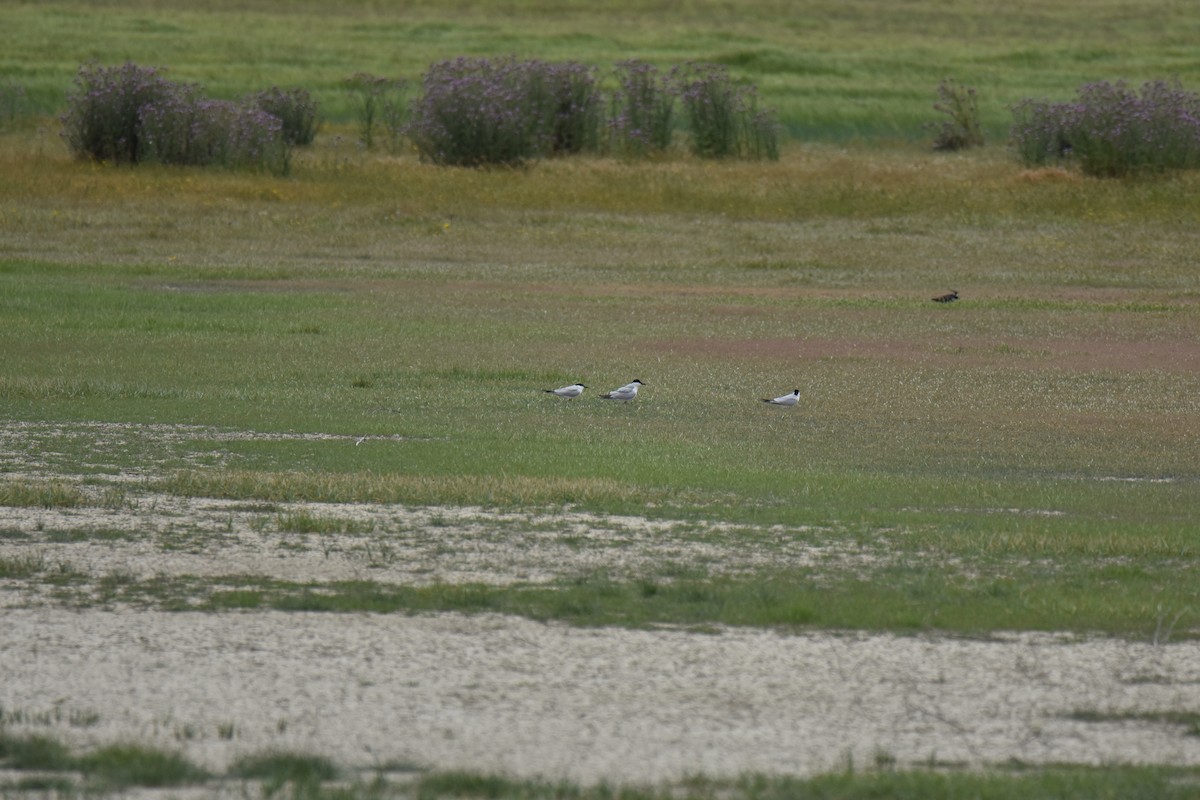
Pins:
x,y
946,298
785,400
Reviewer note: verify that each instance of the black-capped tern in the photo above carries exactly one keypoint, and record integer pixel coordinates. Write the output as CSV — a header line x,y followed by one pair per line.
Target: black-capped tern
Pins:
x,y
626,392
785,400
569,392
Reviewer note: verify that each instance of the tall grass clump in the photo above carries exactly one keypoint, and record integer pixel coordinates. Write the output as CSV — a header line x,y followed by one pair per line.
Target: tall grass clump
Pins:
x,y
278,769
378,100
33,753
961,128
294,108
40,494
1110,130
131,114
12,101
482,111
132,765
724,117
642,109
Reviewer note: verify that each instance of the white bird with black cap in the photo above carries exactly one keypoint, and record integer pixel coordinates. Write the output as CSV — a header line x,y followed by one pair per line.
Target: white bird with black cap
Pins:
x,y
569,392
625,393
785,400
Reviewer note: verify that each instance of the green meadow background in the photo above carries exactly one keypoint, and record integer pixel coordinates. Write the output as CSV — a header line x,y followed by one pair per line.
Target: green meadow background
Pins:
x,y
834,69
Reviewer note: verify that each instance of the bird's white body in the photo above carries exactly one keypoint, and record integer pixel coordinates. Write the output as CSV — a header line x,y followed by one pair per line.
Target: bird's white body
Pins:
x,y
625,393
786,400
569,392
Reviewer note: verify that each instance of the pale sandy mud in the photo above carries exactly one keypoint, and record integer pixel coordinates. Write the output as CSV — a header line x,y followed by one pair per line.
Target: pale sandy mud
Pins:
x,y
492,693
157,535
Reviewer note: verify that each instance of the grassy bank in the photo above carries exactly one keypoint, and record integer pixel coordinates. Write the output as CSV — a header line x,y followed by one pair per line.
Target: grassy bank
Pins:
x,y
1040,432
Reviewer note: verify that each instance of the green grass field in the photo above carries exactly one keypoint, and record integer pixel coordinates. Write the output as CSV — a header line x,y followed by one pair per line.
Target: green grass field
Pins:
x,y
1027,457
1050,416
834,69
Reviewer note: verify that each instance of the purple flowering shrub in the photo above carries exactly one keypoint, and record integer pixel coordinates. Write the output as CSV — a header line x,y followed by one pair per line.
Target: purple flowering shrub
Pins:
x,y
642,116
469,114
102,121
131,114
480,111
294,108
477,111
565,101
194,131
1111,130
962,128
167,127
724,117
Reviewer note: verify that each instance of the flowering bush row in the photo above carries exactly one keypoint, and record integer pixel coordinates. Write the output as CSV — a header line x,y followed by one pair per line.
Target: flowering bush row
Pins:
x,y
1111,130
642,109
502,111
202,132
131,114
478,111
474,111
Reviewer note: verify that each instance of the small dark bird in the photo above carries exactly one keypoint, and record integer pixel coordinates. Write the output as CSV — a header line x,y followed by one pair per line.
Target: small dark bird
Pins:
x,y
946,298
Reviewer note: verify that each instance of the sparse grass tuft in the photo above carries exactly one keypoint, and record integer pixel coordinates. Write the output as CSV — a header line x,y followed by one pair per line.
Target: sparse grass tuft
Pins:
x,y
40,494
33,753
117,766
369,487
19,567
471,785
76,718
305,522
1052,783
1188,720
276,770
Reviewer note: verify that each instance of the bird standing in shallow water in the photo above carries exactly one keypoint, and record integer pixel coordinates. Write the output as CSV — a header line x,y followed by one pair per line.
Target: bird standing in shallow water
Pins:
x,y
946,298
569,392
785,400
626,392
